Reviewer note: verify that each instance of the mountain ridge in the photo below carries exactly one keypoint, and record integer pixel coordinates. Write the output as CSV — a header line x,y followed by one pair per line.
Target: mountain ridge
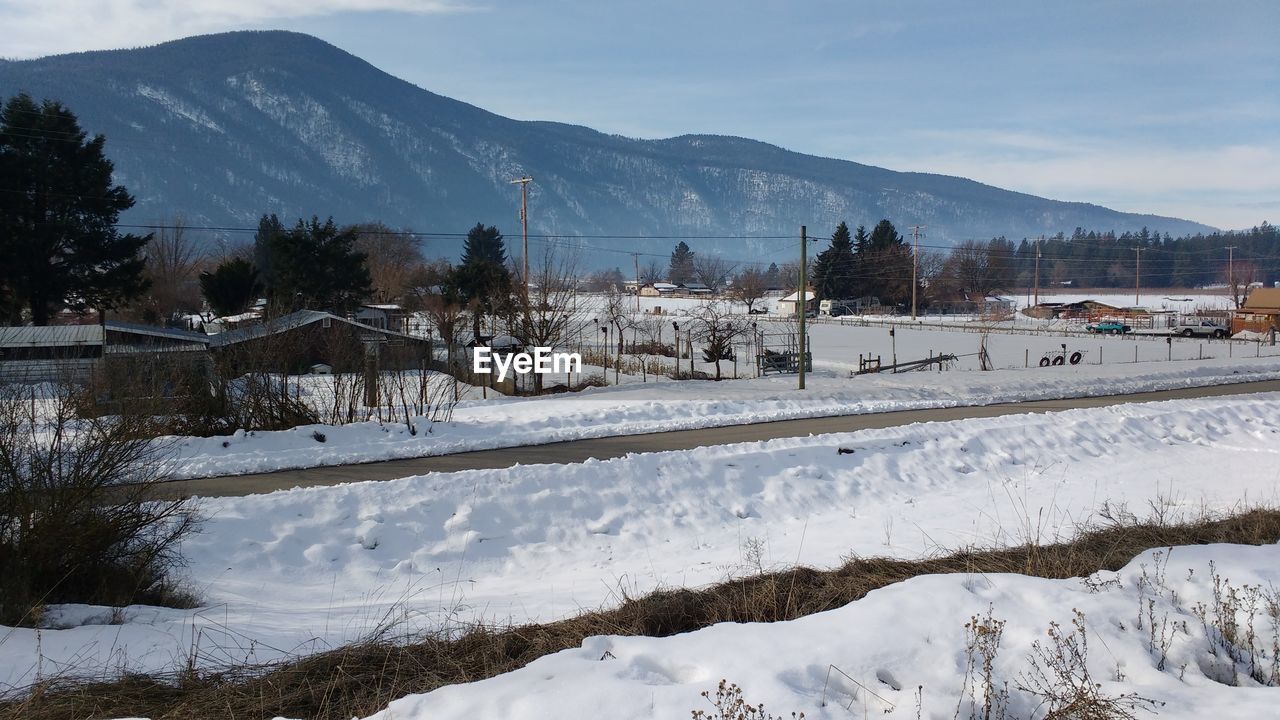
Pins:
x,y
223,128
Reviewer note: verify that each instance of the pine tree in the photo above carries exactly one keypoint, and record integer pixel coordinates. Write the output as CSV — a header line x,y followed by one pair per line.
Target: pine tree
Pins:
x,y
886,259
58,211
773,277
681,269
268,228
835,270
482,280
231,287
861,243
313,266
884,237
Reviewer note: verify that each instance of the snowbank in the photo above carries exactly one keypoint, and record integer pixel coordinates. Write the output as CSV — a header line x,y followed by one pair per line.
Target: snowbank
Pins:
x,y
902,652
304,570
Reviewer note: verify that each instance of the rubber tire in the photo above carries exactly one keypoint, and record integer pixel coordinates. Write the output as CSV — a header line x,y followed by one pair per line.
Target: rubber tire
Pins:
x,y
1076,357
1187,333
1058,360
1219,334
1044,362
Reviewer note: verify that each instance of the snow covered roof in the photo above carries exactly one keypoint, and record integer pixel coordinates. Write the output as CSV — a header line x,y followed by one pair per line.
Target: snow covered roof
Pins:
x,y
293,321
665,286
251,315
792,297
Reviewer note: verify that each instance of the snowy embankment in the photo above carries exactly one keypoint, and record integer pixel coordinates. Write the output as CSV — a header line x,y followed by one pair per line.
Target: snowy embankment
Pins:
x,y
903,652
305,570
660,406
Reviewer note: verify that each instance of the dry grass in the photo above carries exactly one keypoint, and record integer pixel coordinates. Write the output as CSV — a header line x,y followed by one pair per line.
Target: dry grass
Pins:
x,y
361,679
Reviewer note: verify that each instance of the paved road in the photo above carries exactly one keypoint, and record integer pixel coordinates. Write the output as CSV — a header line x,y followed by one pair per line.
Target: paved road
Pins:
x,y
611,447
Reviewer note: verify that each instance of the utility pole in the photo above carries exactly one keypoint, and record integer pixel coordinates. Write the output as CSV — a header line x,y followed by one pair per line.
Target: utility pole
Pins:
x,y
636,258
524,226
1231,274
1037,296
1137,275
802,297
915,264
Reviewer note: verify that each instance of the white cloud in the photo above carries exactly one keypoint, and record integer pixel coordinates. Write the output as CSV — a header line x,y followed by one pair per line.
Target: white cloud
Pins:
x,y
48,27
1229,185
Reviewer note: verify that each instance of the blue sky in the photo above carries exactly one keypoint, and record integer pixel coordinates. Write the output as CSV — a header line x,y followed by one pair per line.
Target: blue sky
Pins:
x,y
1164,107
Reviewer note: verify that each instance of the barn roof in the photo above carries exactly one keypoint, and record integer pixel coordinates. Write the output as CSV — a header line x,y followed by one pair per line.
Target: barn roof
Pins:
x,y
1263,299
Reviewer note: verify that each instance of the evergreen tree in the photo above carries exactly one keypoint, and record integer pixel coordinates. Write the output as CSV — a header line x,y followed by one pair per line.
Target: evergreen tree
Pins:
x,y
887,263
834,272
681,269
860,242
884,237
773,277
58,210
269,227
231,287
482,279
314,266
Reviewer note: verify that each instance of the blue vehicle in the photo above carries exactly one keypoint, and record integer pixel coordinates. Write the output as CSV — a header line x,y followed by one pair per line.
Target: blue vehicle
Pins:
x,y
1108,327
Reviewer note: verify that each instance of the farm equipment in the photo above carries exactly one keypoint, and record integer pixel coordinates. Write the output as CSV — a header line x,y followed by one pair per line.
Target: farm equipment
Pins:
x,y
1061,357
780,353
871,364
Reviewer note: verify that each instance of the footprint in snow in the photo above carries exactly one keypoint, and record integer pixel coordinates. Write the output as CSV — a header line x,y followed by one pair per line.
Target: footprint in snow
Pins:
x,y
887,678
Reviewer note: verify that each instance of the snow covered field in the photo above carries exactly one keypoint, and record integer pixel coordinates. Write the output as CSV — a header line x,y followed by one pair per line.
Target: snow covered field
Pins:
x,y
304,570
636,407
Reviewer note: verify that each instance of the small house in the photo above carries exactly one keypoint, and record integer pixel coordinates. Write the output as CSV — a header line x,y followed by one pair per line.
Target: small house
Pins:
x,y
383,317
787,305
1260,312
658,289
695,289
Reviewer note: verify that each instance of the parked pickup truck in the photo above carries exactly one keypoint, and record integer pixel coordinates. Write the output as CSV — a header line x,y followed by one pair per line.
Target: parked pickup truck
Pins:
x,y
1200,328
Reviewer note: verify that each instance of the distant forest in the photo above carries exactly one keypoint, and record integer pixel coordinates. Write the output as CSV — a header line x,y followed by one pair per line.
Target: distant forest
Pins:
x,y
1092,259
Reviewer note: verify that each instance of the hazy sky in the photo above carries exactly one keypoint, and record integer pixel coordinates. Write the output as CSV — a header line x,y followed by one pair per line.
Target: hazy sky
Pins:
x,y
1168,107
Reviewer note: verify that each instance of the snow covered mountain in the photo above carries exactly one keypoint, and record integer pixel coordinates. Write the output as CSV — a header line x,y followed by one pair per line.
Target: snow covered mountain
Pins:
x,y
223,128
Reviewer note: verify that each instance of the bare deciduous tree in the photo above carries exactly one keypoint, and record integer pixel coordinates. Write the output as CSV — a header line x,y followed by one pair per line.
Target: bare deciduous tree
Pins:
x,y
652,272
617,313
392,257
173,264
547,315
749,287
1240,276
717,327
981,268
712,270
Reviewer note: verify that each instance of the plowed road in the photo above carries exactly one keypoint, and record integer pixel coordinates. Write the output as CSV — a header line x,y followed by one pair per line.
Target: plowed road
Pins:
x,y
611,447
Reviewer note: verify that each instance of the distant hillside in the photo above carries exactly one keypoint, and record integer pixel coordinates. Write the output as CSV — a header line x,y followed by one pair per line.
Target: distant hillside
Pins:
x,y
222,128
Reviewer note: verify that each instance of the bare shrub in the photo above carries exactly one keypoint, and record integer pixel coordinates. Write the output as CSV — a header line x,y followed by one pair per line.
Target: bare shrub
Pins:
x,y
1059,676
77,522
1229,623
730,705
982,644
